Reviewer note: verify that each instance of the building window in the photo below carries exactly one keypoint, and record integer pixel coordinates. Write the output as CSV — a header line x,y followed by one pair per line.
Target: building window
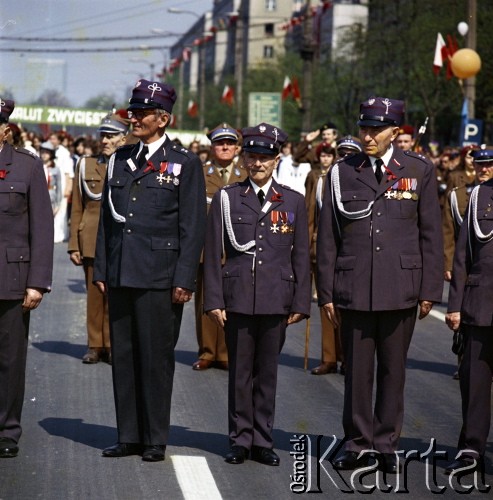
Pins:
x,y
270,5
269,29
268,51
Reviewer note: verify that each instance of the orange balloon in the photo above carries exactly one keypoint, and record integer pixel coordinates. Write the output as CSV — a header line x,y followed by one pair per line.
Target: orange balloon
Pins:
x,y
465,63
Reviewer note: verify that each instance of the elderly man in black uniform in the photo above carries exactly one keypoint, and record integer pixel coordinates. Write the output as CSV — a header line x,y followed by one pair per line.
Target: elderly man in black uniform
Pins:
x,y
150,236
258,228
379,253
26,247
470,307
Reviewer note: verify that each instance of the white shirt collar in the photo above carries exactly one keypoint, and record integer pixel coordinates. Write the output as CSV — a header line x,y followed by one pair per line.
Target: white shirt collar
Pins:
x,y
265,188
385,158
153,146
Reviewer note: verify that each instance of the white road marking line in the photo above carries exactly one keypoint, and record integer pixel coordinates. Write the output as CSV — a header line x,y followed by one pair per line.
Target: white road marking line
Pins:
x,y
195,478
437,314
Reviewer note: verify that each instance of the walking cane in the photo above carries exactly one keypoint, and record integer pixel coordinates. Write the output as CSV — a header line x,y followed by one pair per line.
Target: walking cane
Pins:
x,y
307,341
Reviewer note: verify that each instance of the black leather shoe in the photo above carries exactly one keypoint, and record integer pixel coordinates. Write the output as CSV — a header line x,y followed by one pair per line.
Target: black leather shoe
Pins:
x,y
469,464
153,453
389,462
8,448
265,456
348,460
237,455
122,450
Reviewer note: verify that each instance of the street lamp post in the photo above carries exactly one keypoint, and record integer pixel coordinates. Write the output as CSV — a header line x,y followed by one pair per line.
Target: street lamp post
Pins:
x,y
201,79
151,65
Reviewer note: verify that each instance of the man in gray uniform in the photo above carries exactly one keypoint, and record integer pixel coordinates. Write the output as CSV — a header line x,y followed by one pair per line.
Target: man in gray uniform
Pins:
x,y
260,230
26,247
379,254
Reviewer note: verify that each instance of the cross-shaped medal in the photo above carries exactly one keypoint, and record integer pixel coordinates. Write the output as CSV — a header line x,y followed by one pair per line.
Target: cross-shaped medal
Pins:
x,y
161,178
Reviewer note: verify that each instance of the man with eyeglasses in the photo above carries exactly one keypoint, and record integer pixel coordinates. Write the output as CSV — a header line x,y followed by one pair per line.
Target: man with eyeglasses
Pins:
x,y
150,236
257,282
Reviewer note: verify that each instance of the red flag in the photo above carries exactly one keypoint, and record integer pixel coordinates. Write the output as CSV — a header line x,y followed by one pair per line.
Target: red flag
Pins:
x,y
296,91
286,88
450,50
193,109
439,56
228,95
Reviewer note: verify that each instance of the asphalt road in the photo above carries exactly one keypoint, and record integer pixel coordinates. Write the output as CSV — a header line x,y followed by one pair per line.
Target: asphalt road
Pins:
x,y
69,417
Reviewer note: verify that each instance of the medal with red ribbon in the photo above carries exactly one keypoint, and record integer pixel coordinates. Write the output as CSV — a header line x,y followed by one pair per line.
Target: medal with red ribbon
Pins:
x,y
274,217
162,171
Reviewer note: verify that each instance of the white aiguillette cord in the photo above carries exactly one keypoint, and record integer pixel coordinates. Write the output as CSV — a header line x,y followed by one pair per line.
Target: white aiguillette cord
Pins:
x,y
226,217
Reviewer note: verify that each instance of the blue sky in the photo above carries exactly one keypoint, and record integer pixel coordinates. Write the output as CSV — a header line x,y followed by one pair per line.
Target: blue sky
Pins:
x,y
87,74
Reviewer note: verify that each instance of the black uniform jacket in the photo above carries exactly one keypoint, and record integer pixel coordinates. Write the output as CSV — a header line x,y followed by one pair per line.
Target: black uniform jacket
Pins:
x,y
471,288
158,245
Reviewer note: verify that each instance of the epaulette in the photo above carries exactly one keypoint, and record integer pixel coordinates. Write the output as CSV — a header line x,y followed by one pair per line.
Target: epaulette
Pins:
x,y
125,146
26,152
414,154
289,188
180,149
344,158
229,186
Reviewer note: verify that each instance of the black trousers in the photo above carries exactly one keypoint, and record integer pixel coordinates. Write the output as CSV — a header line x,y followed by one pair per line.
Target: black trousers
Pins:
x,y
14,328
144,329
254,344
475,372
386,335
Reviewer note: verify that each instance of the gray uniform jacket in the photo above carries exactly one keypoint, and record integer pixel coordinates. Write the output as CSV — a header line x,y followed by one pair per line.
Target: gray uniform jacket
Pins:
x,y
26,224
393,257
276,280
158,244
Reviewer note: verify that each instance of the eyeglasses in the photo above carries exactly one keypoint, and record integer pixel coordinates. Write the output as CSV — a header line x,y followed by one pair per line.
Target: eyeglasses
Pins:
x,y
139,114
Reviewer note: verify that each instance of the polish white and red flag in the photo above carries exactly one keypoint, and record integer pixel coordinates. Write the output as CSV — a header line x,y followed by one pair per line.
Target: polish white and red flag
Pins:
x,y
440,54
287,88
193,108
228,95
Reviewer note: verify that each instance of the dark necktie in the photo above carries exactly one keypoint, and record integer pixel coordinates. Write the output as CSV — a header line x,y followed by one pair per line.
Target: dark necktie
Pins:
x,y
378,170
261,197
142,157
